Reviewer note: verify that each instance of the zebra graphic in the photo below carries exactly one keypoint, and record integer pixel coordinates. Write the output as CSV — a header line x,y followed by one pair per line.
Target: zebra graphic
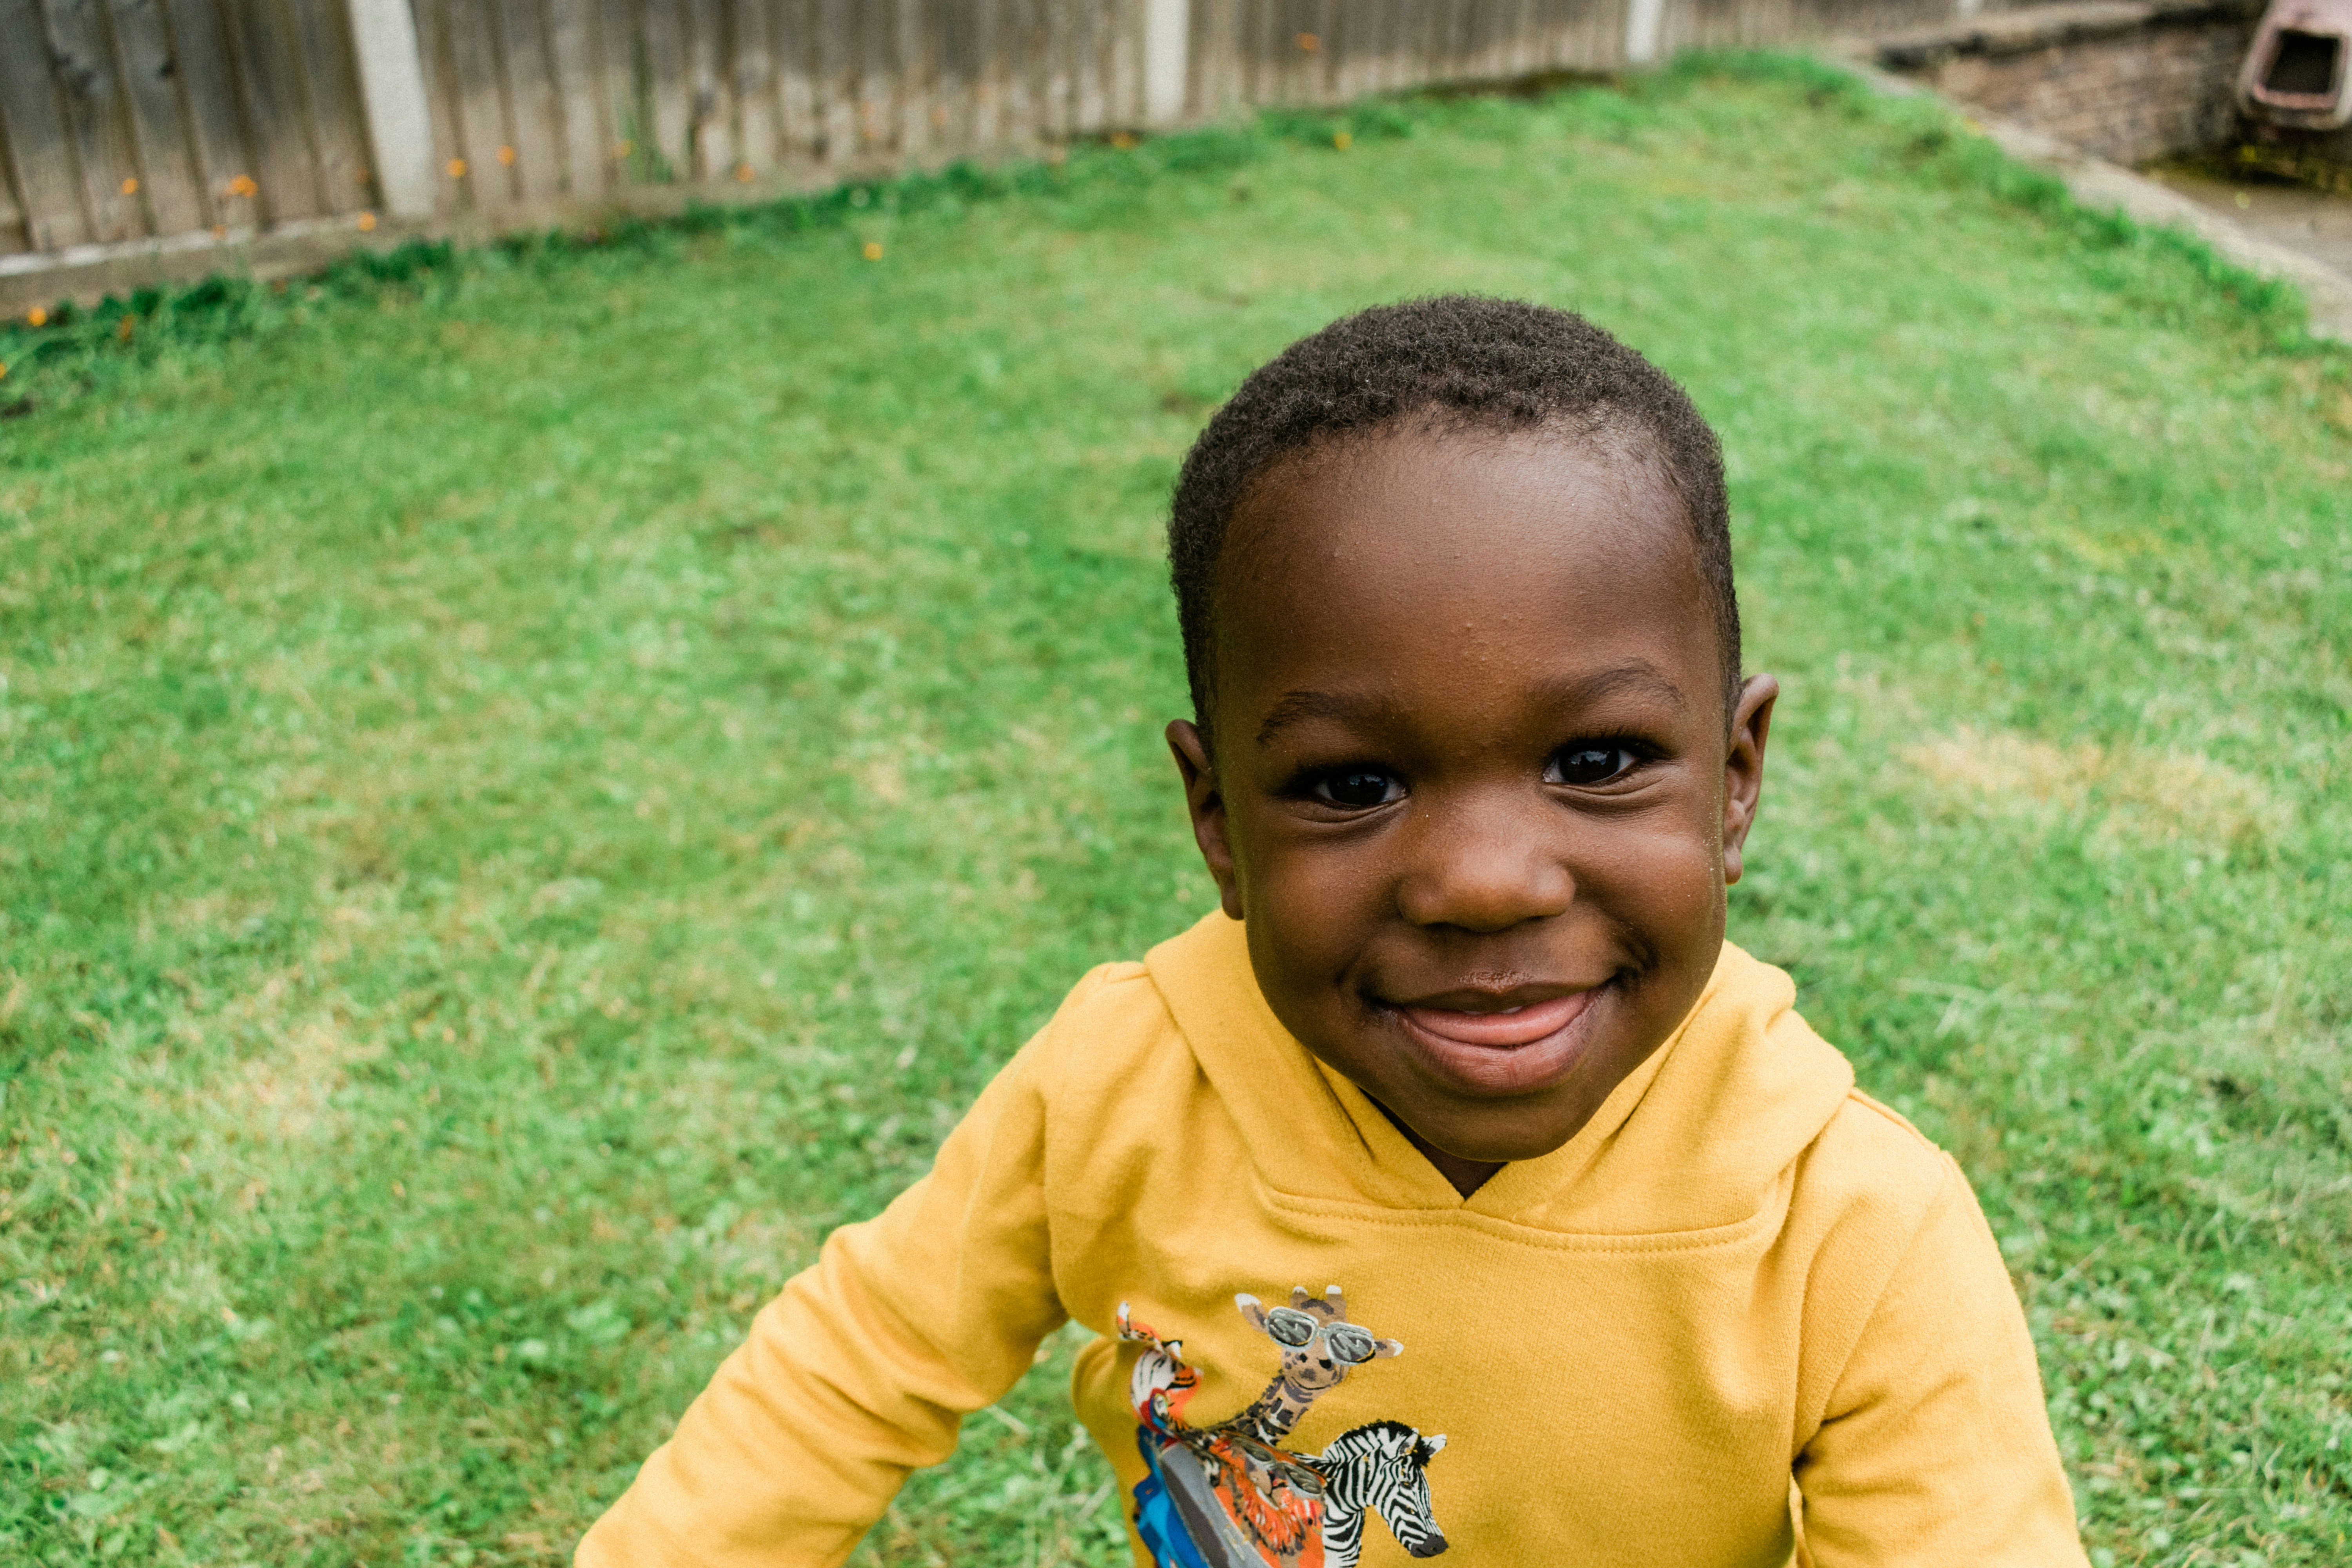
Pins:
x,y
1222,1497
1381,1468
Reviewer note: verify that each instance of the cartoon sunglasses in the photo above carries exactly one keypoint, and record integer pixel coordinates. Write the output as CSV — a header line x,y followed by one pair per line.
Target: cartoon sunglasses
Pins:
x,y
1348,1342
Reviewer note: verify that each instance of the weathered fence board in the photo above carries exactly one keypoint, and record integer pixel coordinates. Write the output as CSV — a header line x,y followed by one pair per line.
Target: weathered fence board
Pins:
x,y
41,165
218,144
136,120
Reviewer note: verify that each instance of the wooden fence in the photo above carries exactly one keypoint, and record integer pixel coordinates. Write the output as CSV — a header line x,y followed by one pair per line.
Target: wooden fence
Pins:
x,y
153,128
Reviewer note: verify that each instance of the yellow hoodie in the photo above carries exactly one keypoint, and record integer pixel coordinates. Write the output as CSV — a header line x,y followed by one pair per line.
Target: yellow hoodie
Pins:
x,y
1741,1274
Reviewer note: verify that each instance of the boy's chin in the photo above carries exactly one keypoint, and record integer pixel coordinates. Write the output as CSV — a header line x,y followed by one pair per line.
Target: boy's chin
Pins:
x,y
1487,1136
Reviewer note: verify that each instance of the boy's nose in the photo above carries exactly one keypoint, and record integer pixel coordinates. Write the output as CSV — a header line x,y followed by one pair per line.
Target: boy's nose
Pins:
x,y
1484,871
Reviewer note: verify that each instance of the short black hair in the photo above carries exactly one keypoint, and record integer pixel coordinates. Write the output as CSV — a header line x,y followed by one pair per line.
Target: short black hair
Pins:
x,y
1468,364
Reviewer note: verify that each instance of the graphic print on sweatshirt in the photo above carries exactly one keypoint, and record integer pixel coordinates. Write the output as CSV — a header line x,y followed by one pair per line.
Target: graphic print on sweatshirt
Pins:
x,y
1229,1496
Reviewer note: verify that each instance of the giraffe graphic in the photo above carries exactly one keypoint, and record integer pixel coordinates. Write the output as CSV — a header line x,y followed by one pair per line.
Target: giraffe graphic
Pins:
x,y
1318,1346
1227,1496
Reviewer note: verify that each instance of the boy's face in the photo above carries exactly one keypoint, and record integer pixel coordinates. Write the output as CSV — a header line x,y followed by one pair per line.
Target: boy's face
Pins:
x,y
1471,791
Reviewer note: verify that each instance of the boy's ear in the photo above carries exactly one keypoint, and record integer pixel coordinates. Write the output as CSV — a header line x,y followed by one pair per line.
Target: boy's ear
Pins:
x,y
1206,803
1743,767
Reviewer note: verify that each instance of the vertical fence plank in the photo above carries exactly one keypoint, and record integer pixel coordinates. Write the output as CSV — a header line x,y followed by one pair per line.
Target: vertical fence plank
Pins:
x,y
1553,23
1291,45
205,86
477,106
876,97
329,89
1252,26
577,95
836,88
528,96
913,57
710,106
664,76
169,175
1363,28
1445,21
1123,64
89,93
1027,89
796,87
1319,70
440,102
395,104
1055,119
1505,31
954,73
1086,106
1604,34
985,82
1016,71
1345,75
16,235
1202,20
1400,44
1488,22
622,94
752,77
48,187
261,53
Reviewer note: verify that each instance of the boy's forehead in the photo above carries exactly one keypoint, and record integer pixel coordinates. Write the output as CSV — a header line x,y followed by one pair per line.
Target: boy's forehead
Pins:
x,y
1456,542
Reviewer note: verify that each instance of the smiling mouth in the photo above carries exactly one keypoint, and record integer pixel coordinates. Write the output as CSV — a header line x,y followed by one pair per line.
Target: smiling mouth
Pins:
x,y
1502,1049
1500,1029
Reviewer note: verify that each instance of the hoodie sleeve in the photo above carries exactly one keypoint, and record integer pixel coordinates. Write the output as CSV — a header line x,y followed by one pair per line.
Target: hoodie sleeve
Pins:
x,y
866,1365
1936,1449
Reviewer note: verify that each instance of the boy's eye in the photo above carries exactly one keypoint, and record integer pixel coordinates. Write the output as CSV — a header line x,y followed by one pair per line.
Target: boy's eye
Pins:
x,y
1357,788
1590,764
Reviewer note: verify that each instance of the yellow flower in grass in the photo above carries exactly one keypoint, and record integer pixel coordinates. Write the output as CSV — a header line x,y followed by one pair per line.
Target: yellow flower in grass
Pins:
x,y
873,250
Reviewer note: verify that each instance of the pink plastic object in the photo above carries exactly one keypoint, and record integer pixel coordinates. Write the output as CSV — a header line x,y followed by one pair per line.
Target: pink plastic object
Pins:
x,y
2299,72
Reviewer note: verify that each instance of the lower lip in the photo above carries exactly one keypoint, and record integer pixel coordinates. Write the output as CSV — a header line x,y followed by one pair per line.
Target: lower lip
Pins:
x,y
1517,1052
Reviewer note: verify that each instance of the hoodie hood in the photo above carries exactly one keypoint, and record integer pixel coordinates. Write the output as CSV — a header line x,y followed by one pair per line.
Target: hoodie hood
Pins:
x,y
1705,1133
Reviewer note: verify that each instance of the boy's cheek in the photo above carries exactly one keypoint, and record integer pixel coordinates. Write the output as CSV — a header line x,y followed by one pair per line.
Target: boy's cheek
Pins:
x,y
1308,924
1668,877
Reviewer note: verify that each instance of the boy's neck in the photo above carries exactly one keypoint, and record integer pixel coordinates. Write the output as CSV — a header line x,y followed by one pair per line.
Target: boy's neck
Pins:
x,y
1466,1176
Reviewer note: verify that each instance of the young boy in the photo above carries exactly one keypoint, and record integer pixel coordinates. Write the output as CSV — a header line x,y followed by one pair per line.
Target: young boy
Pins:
x,y
1472,762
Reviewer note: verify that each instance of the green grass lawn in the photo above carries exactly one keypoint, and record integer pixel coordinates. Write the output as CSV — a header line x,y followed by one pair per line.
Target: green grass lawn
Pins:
x,y
529,794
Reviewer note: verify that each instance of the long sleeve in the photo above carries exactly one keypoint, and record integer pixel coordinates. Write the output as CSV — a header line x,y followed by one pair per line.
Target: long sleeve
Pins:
x,y
866,1365
1935,1446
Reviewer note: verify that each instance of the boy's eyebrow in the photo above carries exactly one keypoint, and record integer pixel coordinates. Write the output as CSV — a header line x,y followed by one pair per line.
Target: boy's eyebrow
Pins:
x,y
1635,677
1298,707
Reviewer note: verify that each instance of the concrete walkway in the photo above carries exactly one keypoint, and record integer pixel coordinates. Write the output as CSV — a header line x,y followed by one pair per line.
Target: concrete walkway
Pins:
x,y
2316,223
